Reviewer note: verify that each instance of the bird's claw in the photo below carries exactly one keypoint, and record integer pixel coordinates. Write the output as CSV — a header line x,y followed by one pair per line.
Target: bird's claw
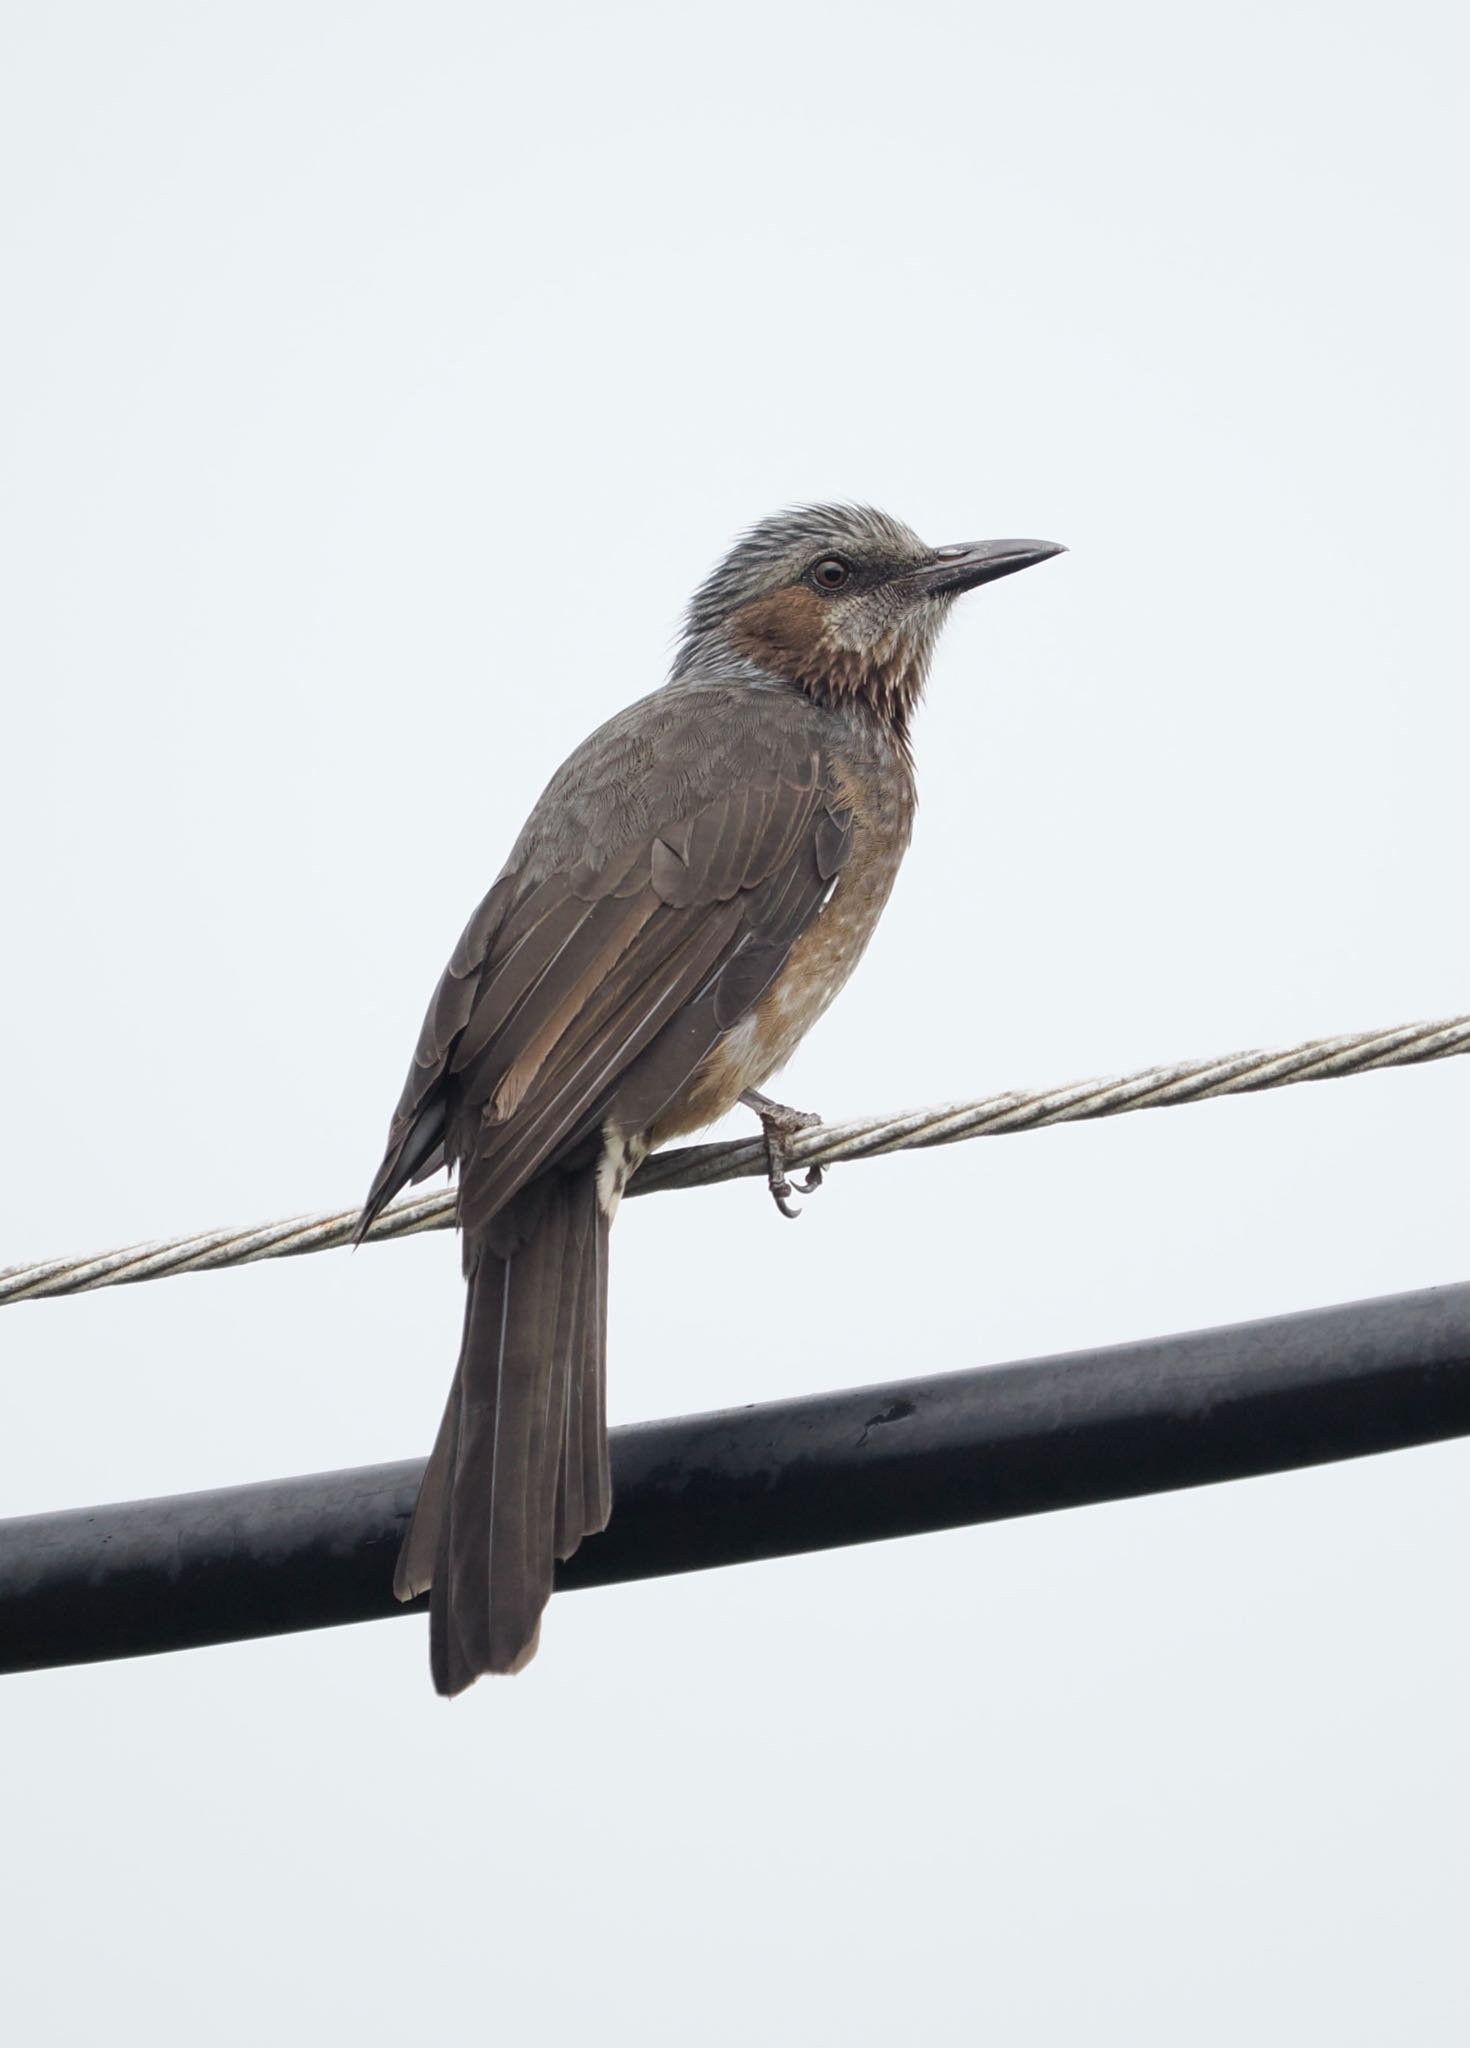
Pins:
x,y
778,1123
783,1189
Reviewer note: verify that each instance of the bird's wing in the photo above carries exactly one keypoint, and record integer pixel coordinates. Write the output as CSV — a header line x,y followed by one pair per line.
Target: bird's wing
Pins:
x,y
595,986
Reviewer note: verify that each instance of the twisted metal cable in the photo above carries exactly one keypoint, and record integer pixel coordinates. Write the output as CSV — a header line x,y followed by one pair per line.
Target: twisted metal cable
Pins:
x,y
694,1166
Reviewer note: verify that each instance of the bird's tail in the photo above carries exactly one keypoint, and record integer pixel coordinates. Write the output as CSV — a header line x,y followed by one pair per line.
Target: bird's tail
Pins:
x,y
519,1473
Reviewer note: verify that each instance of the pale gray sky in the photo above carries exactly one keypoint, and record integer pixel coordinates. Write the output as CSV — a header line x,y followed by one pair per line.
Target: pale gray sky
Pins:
x,y
376,382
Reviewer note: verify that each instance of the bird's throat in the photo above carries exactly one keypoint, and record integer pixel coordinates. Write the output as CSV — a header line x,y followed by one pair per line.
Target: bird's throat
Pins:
x,y
790,634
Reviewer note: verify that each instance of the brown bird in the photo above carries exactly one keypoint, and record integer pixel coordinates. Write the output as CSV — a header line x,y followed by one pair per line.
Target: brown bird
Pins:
x,y
691,891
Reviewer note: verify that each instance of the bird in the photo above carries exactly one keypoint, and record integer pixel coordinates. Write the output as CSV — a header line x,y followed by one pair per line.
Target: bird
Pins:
x,y
690,892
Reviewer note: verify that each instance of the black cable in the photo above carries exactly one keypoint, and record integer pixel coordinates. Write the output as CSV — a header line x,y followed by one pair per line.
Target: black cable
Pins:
x,y
853,1467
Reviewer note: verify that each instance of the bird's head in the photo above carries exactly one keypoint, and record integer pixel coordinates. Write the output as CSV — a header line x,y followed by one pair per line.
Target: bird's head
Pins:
x,y
842,601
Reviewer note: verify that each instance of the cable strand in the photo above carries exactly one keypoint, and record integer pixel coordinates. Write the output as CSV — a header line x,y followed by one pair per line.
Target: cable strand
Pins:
x,y
694,1166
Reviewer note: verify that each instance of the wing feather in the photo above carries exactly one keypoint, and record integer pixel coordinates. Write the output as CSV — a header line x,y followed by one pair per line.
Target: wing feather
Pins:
x,y
602,982
569,1099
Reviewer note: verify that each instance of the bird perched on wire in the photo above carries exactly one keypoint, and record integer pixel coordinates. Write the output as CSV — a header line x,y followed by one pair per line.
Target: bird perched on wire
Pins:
x,y
694,887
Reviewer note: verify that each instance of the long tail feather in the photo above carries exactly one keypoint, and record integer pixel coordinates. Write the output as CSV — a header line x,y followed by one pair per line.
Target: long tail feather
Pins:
x,y
519,1472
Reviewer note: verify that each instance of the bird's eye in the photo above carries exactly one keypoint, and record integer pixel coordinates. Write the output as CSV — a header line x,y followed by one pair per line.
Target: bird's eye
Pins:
x,y
830,573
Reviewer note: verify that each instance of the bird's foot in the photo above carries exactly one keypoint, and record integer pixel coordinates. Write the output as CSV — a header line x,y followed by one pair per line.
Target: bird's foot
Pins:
x,y
778,1123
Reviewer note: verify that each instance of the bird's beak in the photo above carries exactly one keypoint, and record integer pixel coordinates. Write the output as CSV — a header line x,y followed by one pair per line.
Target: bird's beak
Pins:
x,y
970,563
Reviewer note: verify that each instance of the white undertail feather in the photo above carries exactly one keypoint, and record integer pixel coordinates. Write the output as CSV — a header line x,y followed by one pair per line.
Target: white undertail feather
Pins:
x,y
622,1155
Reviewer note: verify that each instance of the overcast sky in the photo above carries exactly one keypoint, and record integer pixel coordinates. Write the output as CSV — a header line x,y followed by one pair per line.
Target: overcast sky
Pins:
x,y
375,382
